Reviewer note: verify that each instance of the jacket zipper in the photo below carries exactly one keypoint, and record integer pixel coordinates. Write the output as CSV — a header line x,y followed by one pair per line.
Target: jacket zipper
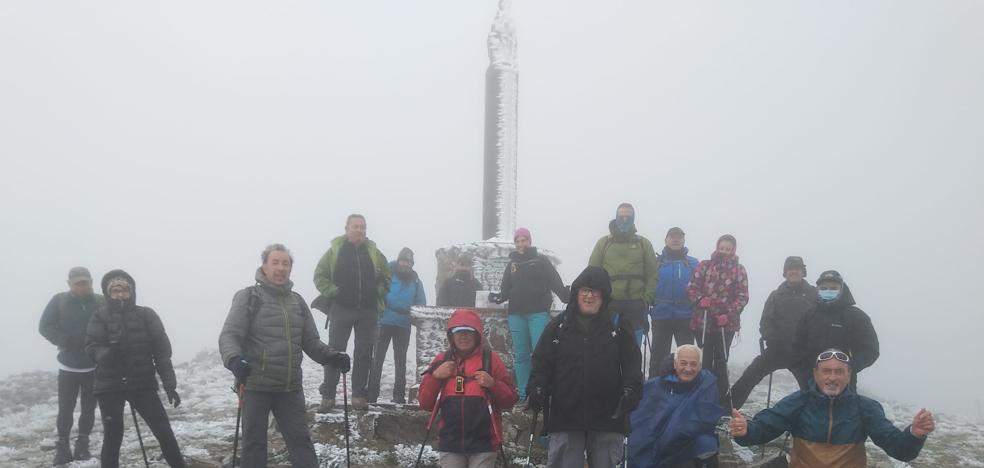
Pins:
x,y
290,352
830,420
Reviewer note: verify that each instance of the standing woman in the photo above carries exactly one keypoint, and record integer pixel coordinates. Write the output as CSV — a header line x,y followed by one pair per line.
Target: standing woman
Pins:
x,y
527,283
129,346
719,292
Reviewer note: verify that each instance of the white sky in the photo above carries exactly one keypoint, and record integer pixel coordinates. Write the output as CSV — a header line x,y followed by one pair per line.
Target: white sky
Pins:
x,y
176,139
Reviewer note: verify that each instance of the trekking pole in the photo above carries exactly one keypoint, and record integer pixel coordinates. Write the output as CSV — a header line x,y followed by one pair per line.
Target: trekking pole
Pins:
x,y
768,403
703,335
646,354
139,438
348,458
430,422
726,352
239,418
529,449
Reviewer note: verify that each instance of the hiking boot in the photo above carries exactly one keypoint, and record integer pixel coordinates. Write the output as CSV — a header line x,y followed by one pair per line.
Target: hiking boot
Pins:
x,y
82,448
63,454
360,403
327,405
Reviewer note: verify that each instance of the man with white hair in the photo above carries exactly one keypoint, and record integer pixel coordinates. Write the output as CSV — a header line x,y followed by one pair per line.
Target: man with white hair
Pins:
x,y
830,423
674,424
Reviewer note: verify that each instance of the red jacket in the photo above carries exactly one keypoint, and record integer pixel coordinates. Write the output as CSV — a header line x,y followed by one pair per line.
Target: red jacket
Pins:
x,y
723,280
470,421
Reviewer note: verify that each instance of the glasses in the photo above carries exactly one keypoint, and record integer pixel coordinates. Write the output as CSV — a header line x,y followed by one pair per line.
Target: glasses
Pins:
x,y
589,292
828,355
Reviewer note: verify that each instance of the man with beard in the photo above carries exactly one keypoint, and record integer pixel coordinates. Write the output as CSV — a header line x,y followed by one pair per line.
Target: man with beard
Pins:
x,y
64,323
830,423
129,346
785,307
836,322
460,288
406,290
631,262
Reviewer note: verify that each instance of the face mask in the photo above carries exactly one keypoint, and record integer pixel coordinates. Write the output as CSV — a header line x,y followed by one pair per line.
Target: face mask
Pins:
x,y
828,294
623,225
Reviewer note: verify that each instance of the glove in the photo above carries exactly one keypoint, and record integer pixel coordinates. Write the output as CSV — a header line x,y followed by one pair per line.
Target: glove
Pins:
x,y
536,400
722,320
340,361
630,399
496,298
706,303
172,397
240,367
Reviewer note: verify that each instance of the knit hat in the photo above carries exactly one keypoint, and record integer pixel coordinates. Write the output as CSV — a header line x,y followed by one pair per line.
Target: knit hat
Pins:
x,y
405,254
793,263
523,232
79,274
675,230
830,276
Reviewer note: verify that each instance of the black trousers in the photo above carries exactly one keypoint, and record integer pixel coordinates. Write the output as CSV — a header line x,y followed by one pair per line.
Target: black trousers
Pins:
x,y
715,358
401,342
771,360
71,387
149,406
289,410
343,321
664,332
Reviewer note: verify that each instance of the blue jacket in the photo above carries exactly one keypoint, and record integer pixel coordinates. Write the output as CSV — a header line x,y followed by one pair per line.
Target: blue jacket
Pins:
x,y
64,323
671,289
831,431
402,295
674,422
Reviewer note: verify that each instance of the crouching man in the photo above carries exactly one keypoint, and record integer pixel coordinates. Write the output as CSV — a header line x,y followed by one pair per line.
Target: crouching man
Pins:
x,y
469,386
261,342
673,426
830,423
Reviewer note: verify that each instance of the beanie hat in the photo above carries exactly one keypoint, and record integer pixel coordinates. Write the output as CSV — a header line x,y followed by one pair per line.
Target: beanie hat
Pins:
x,y
792,263
675,230
405,254
523,232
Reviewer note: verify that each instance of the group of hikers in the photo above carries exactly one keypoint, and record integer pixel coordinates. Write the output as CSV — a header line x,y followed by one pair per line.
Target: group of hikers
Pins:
x,y
581,369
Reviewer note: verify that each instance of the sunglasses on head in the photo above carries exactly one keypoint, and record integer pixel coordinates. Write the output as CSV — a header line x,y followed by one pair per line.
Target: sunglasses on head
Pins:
x,y
828,355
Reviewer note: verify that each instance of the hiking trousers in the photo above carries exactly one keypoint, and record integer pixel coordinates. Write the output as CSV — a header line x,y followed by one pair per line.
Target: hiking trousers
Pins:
x,y
635,312
525,330
570,449
148,406
342,322
289,410
401,341
467,460
74,386
715,358
771,360
664,332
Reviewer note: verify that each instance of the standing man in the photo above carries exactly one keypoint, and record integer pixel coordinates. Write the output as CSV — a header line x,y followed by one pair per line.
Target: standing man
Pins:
x,y
64,323
460,288
836,322
354,278
631,262
261,342
130,348
719,292
672,310
406,291
586,377
830,423
785,307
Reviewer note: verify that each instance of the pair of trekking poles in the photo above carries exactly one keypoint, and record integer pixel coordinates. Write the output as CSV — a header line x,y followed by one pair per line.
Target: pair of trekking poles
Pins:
x,y
241,391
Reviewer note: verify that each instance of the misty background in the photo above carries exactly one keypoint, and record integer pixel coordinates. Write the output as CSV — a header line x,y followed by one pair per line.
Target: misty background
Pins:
x,y
176,139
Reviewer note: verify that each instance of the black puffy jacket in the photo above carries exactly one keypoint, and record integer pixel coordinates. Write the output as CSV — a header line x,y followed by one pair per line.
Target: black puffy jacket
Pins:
x,y
783,310
528,281
128,344
837,324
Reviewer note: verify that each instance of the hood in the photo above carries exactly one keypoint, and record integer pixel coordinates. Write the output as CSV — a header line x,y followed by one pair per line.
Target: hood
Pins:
x,y
119,273
262,280
529,255
467,318
394,267
846,299
595,278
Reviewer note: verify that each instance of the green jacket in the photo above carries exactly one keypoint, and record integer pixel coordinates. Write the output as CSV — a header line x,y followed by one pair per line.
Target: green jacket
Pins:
x,y
631,263
324,280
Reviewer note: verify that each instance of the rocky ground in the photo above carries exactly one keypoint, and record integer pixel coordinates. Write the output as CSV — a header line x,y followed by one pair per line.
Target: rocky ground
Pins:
x,y
385,436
